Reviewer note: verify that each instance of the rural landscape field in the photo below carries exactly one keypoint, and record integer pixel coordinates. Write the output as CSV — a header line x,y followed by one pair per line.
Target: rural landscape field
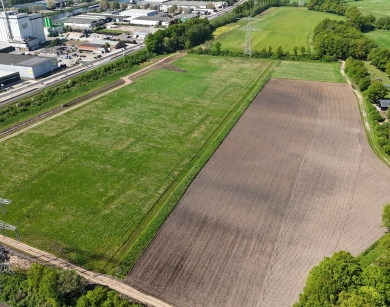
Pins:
x,y
209,181
380,37
294,180
284,26
378,8
83,183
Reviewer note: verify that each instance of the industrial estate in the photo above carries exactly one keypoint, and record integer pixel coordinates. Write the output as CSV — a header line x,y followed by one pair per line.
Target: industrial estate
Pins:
x,y
195,154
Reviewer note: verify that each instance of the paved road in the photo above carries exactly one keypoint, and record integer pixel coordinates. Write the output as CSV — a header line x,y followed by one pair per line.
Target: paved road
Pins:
x,y
90,276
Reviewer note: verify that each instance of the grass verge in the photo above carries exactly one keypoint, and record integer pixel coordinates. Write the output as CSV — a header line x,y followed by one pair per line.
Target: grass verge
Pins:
x,y
312,71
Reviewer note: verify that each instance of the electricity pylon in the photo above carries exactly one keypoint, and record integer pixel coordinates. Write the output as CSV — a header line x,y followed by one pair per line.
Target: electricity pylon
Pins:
x,y
248,40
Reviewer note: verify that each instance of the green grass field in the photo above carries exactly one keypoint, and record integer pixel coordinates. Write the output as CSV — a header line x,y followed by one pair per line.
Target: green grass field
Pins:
x,y
380,37
312,71
379,8
82,183
284,26
375,73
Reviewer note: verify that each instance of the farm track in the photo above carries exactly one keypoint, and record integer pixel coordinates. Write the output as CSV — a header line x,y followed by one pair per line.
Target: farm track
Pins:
x,y
294,181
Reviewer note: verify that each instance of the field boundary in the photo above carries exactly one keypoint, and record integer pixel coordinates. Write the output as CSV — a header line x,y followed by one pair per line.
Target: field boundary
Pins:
x,y
148,229
363,115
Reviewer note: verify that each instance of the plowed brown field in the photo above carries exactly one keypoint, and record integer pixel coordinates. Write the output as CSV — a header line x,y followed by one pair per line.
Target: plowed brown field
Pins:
x,y
294,181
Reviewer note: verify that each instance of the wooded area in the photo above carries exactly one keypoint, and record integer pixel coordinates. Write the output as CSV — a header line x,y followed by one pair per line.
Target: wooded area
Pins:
x,y
46,286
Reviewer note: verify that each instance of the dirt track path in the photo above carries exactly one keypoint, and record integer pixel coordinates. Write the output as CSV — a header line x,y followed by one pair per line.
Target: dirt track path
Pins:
x,y
362,111
90,276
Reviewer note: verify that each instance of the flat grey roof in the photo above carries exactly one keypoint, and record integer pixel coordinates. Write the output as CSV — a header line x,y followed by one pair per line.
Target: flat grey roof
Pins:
x,y
186,3
103,41
22,60
103,15
156,18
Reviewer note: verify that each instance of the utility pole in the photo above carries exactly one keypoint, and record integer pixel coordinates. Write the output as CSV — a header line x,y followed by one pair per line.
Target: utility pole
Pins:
x,y
248,41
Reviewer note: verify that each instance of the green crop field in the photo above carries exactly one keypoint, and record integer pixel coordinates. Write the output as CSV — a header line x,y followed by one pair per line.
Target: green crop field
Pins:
x,y
82,183
379,8
326,72
284,26
380,37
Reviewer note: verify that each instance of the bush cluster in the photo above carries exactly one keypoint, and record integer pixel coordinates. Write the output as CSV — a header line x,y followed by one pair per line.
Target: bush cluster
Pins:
x,y
340,39
299,53
330,6
51,287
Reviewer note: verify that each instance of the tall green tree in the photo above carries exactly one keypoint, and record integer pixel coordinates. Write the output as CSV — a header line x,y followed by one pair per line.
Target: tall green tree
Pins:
x,y
325,282
376,91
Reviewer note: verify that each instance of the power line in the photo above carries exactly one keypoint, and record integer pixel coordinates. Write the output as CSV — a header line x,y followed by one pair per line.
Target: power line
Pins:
x,y
248,41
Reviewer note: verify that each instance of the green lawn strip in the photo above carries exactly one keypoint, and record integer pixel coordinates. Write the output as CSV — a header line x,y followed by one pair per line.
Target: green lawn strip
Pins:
x,y
74,93
371,254
109,31
379,8
169,199
380,37
312,71
283,26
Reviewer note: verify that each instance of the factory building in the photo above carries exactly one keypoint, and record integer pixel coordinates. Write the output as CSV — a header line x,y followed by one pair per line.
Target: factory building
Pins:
x,y
138,13
85,22
150,20
108,17
22,31
28,66
191,5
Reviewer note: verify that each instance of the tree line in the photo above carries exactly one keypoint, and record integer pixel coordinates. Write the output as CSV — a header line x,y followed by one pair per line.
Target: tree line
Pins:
x,y
342,280
338,7
50,287
193,32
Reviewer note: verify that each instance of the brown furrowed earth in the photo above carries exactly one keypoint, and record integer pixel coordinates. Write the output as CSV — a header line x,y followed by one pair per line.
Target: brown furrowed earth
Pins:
x,y
294,181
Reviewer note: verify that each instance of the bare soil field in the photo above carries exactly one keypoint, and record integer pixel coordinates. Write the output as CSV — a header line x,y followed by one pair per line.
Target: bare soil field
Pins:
x,y
294,181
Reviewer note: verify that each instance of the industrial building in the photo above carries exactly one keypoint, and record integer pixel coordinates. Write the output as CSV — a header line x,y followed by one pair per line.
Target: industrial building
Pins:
x,y
138,13
85,22
98,45
22,31
150,20
8,77
28,66
192,5
383,104
108,17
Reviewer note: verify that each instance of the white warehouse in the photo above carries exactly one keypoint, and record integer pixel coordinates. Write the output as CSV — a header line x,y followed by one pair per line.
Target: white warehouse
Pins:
x,y
138,13
22,31
28,66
